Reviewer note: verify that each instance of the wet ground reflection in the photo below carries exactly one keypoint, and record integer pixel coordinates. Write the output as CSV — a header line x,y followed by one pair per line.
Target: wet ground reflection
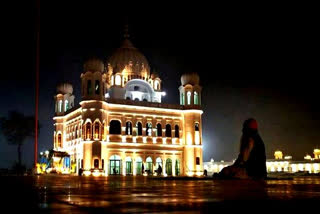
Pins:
x,y
69,194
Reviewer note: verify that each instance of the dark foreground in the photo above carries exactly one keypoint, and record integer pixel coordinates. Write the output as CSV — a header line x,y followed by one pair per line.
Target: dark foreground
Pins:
x,y
69,194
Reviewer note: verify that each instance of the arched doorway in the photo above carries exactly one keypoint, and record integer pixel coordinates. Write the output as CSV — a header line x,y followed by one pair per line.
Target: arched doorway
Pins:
x,y
138,166
158,165
169,167
149,165
115,165
128,165
177,167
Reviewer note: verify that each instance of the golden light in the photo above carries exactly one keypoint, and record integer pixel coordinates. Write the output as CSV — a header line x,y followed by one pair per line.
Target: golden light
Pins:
x,y
87,173
189,138
197,137
278,154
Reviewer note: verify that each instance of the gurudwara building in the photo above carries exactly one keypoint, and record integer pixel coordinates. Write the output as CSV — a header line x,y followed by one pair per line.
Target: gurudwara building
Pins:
x,y
122,127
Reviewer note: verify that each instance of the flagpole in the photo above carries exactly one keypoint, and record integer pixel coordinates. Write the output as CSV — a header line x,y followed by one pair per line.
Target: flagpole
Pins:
x,y
37,83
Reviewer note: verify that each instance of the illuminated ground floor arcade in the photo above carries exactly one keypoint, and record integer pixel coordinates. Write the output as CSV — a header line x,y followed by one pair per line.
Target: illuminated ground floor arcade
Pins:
x,y
113,160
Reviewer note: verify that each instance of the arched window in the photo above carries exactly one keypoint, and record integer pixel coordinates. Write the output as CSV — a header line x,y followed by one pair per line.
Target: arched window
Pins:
x,y
159,130
118,80
176,131
128,128
88,130
89,87
188,98
66,105
115,127
59,140
60,106
76,132
96,130
139,128
196,126
97,87
196,98
196,134
149,129
156,85
182,99
168,130
83,132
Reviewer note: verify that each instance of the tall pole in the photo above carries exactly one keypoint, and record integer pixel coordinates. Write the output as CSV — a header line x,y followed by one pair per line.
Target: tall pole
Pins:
x,y
37,83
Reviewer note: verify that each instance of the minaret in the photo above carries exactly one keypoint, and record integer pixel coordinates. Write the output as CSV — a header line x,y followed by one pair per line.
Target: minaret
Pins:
x,y
64,99
190,99
93,80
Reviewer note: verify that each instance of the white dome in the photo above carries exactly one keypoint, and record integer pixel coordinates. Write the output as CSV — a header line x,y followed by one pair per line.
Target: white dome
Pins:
x,y
65,88
190,78
93,65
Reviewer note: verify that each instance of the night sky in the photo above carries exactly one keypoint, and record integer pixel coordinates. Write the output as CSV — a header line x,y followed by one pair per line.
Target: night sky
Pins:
x,y
260,63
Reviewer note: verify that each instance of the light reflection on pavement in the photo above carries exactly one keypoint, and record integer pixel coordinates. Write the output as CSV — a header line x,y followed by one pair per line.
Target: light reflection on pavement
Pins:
x,y
72,194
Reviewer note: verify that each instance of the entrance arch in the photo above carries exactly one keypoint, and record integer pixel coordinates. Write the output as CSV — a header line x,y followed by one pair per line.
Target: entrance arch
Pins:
x,y
139,166
128,165
149,165
177,167
115,165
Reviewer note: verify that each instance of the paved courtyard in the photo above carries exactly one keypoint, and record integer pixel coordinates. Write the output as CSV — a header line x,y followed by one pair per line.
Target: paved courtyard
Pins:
x,y
117,194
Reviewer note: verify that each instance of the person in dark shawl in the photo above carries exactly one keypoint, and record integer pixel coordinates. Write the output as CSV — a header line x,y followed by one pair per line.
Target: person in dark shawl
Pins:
x,y
251,161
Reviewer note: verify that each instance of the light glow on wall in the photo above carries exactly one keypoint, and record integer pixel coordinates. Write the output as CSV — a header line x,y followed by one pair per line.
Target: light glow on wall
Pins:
x,y
189,138
197,137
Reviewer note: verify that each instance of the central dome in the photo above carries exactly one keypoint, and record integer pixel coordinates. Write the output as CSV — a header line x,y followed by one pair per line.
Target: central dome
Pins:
x,y
130,58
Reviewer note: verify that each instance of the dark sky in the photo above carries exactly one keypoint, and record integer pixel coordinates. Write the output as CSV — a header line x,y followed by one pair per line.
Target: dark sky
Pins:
x,y
256,61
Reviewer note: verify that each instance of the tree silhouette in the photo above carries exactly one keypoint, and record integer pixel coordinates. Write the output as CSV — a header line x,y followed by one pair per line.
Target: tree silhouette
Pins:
x,y
16,128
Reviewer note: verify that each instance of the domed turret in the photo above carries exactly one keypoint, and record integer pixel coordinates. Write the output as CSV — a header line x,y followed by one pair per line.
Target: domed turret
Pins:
x,y
93,65
190,78
64,88
64,100
93,80
190,90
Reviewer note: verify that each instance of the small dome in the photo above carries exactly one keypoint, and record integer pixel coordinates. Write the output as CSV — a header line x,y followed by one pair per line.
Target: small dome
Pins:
x,y
190,78
64,88
128,55
93,65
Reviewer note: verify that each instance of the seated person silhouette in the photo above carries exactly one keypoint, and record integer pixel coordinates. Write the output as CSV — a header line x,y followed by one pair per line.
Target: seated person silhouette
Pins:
x,y
159,171
251,162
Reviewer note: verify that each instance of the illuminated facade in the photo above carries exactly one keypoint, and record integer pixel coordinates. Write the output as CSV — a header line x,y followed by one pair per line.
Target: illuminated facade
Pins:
x,y
278,164
121,126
